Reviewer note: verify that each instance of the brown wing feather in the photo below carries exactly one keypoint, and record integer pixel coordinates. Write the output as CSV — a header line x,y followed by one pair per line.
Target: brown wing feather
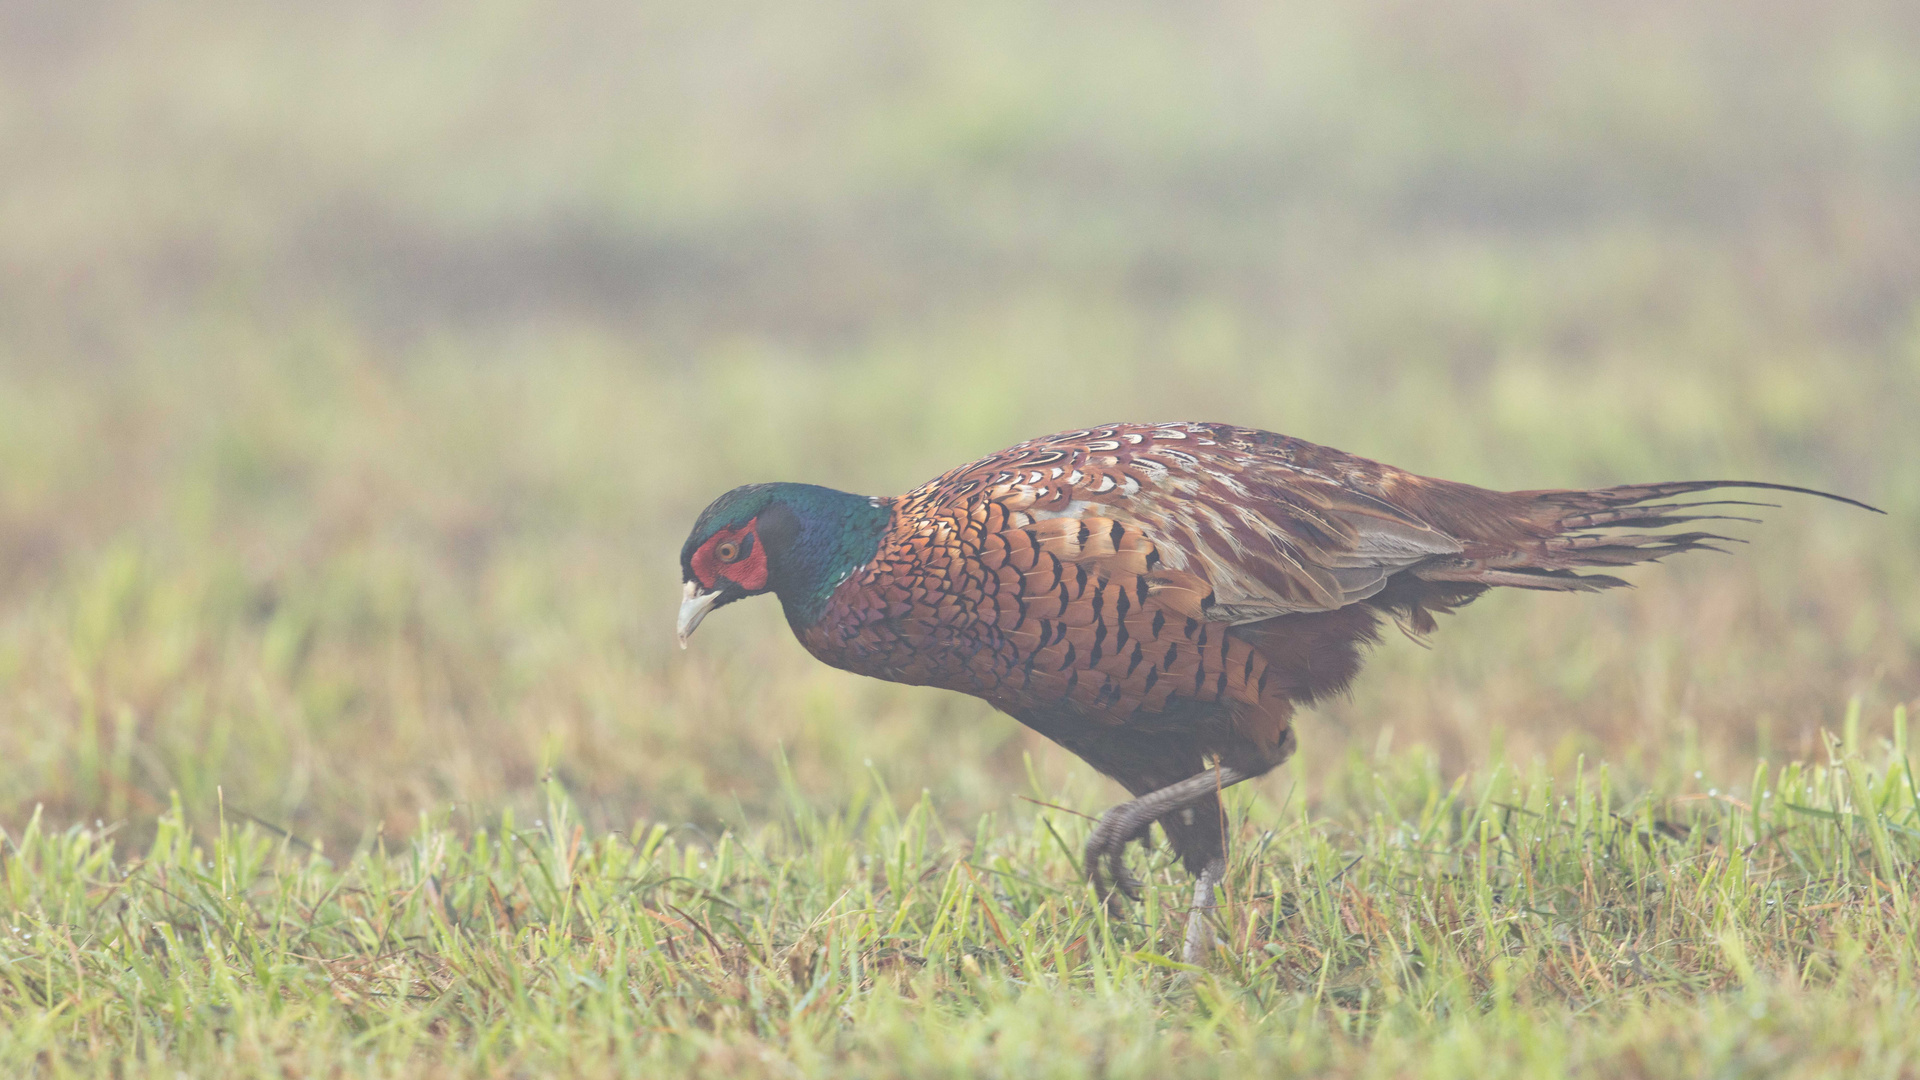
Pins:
x,y
1259,524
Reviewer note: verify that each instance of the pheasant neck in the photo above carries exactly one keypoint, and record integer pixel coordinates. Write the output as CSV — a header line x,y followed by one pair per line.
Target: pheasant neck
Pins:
x,y
830,535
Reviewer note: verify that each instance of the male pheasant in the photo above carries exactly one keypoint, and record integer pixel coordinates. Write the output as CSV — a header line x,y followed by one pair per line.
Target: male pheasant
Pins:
x,y
1156,596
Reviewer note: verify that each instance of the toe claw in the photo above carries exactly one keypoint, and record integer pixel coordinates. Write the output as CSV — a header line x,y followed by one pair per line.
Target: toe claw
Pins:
x,y
1106,867
1122,880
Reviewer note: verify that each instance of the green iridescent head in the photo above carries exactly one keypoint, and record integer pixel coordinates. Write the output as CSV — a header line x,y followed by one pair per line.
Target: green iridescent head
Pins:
x,y
797,541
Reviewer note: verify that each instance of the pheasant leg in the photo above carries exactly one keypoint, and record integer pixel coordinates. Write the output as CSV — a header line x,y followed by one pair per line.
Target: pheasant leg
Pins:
x,y
1200,937
1107,846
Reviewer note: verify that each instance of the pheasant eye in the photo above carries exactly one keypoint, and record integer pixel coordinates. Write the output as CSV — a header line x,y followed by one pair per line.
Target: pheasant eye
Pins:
x,y
728,551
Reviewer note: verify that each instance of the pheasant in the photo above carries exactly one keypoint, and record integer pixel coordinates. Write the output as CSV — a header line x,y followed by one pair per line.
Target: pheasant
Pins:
x,y
1155,597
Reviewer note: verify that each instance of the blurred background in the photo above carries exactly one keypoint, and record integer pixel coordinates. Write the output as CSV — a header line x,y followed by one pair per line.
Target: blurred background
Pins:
x,y
362,366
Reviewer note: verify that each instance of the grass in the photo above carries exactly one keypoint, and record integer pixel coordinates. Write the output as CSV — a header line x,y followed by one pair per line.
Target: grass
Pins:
x,y
1493,926
361,373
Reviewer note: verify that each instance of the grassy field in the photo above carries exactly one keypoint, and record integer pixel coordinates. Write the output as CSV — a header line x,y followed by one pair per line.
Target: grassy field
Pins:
x,y
362,368
1509,927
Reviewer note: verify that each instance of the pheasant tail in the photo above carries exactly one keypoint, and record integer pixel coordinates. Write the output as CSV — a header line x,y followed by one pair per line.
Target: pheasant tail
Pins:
x,y
1548,536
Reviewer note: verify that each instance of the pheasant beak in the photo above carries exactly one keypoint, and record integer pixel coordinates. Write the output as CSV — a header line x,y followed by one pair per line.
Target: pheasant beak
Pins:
x,y
694,606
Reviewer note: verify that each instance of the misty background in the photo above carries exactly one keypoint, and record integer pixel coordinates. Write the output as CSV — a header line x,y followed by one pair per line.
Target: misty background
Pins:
x,y
363,365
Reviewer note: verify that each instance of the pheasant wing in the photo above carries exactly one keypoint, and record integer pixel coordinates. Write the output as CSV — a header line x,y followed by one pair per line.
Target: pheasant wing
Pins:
x,y
1219,523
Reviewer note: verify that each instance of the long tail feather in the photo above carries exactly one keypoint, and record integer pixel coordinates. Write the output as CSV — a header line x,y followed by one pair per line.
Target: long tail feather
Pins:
x,y
1605,527
1635,494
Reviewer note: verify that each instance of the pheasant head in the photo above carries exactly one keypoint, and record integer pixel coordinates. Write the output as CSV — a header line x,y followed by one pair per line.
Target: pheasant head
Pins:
x,y
796,541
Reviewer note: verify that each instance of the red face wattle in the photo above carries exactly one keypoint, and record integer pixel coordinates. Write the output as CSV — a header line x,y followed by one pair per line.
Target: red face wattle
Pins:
x,y
732,555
